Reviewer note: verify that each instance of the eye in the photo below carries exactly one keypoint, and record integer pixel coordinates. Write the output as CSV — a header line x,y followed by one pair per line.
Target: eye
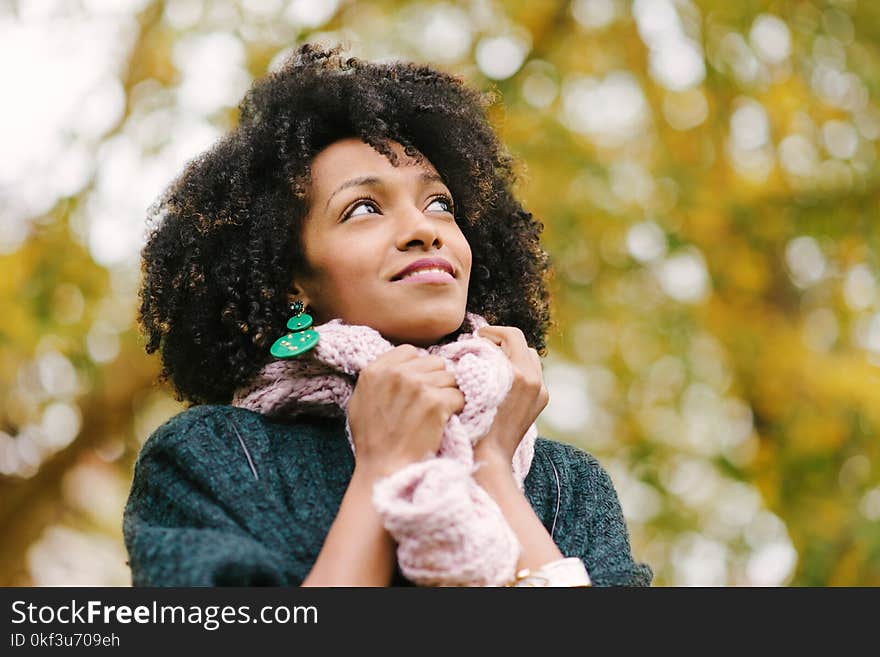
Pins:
x,y
442,198
367,202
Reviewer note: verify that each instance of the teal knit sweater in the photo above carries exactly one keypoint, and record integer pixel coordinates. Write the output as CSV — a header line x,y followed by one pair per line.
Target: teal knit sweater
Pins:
x,y
223,496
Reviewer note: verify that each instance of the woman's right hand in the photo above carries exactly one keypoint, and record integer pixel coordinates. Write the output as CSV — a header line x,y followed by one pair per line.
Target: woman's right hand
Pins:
x,y
398,409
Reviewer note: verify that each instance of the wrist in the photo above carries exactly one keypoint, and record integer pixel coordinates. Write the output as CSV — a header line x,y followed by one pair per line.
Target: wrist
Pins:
x,y
497,445
367,475
563,572
489,451
492,467
372,472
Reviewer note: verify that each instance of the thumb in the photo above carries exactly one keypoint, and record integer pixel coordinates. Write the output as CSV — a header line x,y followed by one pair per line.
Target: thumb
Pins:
x,y
494,338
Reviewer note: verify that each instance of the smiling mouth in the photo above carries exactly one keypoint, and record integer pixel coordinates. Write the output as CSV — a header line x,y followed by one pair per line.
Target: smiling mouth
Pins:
x,y
432,275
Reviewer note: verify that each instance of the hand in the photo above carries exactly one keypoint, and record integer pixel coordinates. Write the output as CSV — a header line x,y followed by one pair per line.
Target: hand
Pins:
x,y
398,409
527,397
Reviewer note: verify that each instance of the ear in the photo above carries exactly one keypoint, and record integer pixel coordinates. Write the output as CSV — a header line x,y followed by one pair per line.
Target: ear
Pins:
x,y
297,293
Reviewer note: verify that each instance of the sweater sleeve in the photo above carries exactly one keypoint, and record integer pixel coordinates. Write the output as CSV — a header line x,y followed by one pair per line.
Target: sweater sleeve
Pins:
x,y
589,523
184,523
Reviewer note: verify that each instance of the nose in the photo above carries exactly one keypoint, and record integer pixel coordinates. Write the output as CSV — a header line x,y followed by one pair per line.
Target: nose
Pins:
x,y
415,229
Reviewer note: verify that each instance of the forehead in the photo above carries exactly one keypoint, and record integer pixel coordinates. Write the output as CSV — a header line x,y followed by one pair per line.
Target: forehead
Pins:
x,y
348,158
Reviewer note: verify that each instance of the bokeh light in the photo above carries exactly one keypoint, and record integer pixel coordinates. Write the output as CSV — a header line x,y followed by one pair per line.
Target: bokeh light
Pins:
x,y
707,176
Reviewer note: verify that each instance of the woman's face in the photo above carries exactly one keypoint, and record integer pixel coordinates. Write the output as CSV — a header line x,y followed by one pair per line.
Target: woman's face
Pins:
x,y
367,222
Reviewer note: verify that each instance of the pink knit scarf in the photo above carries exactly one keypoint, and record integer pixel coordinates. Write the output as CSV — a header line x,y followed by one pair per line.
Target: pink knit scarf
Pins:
x,y
449,531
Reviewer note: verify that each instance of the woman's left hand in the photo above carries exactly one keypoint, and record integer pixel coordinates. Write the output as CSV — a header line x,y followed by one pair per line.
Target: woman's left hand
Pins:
x,y
524,402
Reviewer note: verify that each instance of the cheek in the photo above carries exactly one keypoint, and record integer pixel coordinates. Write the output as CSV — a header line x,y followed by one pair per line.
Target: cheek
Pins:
x,y
464,253
332,263
344,276
344,269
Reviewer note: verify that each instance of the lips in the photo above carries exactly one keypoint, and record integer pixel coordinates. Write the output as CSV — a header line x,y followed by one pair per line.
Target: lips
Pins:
x,y
425,263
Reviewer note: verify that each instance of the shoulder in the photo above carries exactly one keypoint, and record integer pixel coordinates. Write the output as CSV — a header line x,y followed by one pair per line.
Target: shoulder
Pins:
x,y
585,485
563,481
194,445
203,428
564,453
219,424
205,436
570,464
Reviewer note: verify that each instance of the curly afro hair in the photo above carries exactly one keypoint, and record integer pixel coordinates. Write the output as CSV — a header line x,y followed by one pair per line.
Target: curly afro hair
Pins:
x,y
224,243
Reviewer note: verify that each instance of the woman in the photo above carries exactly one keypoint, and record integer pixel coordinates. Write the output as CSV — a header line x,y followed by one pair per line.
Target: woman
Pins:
x,y
377,198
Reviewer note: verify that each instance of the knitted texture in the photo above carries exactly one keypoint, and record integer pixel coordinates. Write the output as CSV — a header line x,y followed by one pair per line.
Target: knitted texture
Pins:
x,y
223,496
449,531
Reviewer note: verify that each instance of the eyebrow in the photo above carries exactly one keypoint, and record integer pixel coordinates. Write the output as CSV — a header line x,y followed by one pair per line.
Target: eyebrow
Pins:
x,y
373,181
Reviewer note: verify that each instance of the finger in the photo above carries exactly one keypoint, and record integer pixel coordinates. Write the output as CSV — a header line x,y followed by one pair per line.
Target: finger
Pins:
x,y
504,333
441,379
453,399
428,364
400,354
412,357
492,336
512,342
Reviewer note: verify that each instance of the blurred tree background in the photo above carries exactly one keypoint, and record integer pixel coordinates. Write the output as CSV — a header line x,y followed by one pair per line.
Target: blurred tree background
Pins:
x,y
707,175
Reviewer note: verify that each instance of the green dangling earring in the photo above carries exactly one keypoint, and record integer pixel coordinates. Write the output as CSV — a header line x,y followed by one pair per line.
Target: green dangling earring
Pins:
x,y
300,339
